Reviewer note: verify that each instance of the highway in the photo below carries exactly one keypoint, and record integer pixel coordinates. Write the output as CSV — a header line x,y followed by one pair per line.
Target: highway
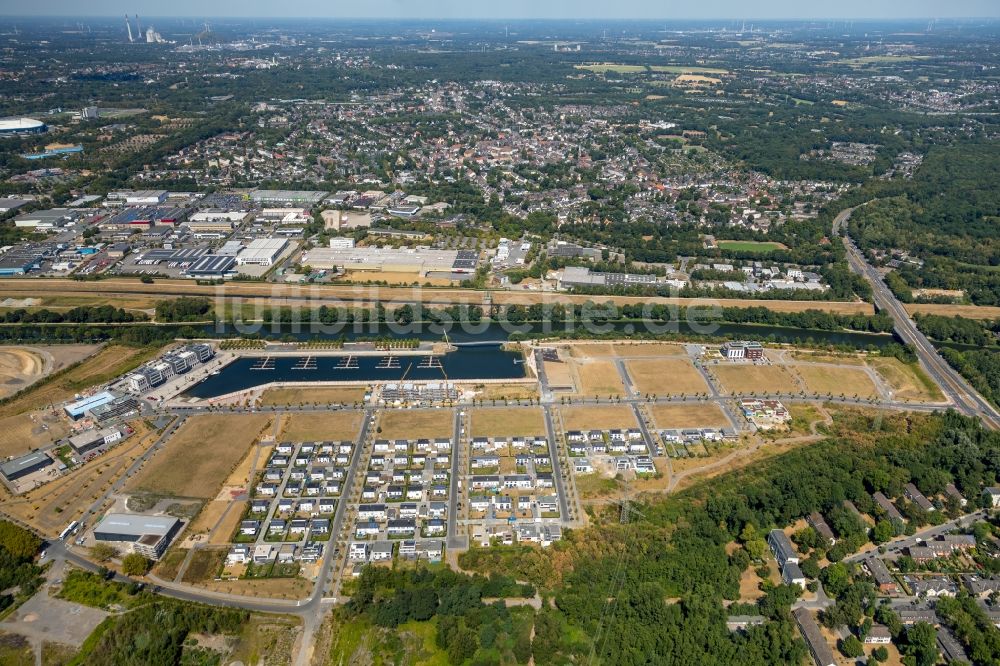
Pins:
x,y
965,398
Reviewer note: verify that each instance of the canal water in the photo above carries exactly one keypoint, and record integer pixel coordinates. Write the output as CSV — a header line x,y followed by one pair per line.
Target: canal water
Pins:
x,y
479,354
465,363
494,333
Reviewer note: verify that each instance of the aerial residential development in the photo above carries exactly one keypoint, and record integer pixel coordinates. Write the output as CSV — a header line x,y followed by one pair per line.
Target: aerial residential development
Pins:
x,y
496,339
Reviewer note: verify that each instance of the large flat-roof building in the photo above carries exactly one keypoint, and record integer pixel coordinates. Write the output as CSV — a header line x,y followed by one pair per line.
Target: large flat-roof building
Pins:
x,y
390,260
80,407
146,535
308,198
212,266
17,468
89,440
262,251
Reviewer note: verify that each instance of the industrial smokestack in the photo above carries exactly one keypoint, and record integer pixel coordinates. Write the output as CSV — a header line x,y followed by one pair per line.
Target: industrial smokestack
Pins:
x,y
138,26
128,27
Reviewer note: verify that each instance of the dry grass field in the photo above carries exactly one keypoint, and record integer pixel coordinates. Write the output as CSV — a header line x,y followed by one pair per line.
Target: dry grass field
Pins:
x,y
826,379
200,455
51,507
598,417
907,380
206,519
654,349
666,376
394,277
513,422
947,310
822,357
270,588
689,415
323,395
590,349
21,433
599,378
499,392
744,378
114,289
417,424
323,426
227,527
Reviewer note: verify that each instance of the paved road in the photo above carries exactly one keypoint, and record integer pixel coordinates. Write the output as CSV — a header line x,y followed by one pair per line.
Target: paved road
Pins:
x,y
457,462
966,399
897,546
550,434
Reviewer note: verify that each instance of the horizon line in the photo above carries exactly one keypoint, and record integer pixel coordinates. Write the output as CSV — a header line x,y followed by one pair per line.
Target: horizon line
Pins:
x,y
522,18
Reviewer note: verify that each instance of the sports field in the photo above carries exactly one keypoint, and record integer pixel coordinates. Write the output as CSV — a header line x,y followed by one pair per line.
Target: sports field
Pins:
x,y
321,426
417,424
200,455
744,378
673,376
689,415
504,422
598,417
749,246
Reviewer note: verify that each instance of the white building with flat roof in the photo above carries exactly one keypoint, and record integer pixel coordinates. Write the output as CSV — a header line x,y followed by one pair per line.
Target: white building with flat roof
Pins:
x,y
262,251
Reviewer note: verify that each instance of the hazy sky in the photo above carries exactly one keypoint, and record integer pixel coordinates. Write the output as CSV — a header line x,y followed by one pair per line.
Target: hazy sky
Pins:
x,y
655,9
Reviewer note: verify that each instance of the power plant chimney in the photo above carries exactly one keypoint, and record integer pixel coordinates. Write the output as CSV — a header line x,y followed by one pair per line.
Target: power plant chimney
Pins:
x,y
128,27
138,26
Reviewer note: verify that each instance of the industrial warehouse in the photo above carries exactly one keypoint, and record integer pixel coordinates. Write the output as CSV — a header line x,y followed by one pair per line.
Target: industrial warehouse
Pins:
x,y
422,261
146,535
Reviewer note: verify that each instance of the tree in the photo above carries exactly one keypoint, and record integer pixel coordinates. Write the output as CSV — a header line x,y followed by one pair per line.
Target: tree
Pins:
x,y
135,564
17,541
883,531
921,643
851,647
103,552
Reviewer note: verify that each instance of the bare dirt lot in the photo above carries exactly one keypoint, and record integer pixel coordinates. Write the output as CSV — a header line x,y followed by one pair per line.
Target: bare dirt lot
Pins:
x,y
322,395
745,378
323,426
513,422
597,417
416,424
32,418
501,392
688,415
200,455
20,367
674,376
54,505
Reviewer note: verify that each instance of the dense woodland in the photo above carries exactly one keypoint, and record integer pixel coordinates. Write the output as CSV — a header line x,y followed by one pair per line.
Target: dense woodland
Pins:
x,y
947,217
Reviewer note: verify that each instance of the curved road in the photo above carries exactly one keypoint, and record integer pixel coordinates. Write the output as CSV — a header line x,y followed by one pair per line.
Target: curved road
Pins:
x,y
966,399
